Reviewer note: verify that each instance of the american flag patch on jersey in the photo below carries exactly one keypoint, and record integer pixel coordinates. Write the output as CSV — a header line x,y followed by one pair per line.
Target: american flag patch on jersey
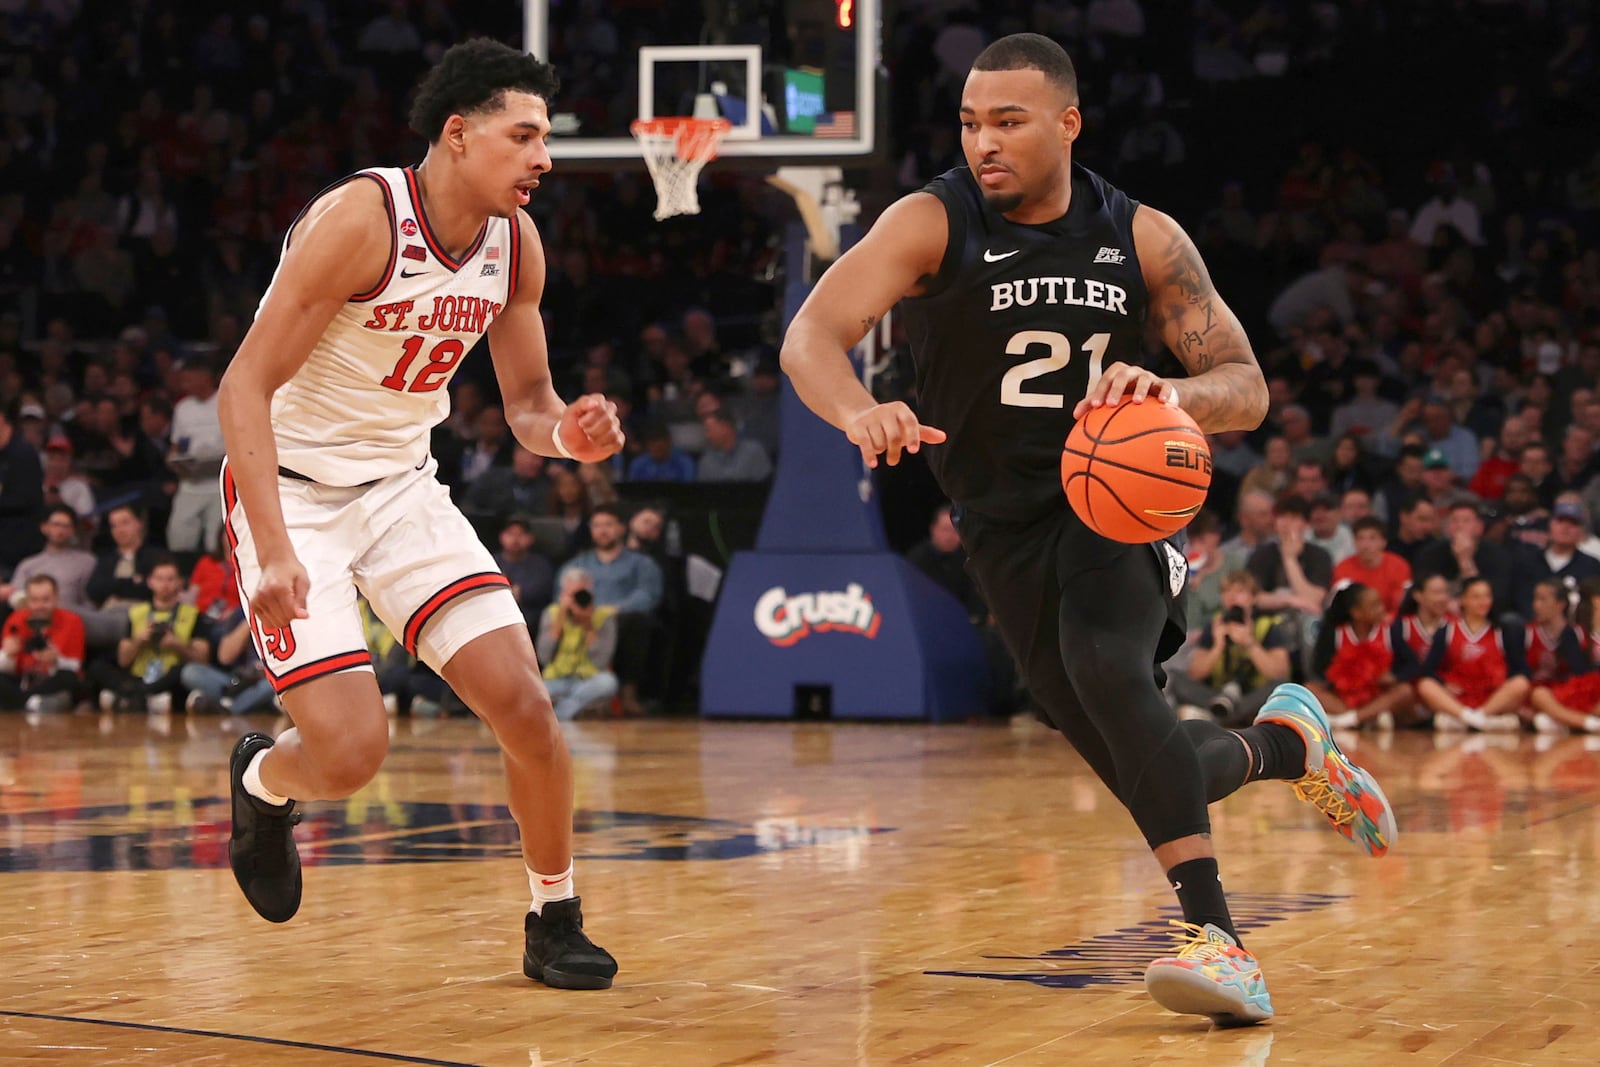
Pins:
x,y
414,252
836,124
492,253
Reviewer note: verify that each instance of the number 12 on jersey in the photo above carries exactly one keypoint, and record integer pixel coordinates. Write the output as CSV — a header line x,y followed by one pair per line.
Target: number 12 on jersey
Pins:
x,y
1011,391
441,360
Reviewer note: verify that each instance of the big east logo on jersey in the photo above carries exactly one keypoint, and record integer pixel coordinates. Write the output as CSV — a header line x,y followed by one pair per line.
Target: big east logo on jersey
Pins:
x,y
785,620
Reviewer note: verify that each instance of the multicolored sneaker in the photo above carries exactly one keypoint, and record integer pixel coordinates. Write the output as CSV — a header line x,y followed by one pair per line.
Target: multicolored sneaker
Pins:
x,y
1346,794
1210,975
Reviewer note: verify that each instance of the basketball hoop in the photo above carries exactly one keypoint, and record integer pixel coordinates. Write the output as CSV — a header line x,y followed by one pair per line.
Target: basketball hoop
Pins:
x,y
676,150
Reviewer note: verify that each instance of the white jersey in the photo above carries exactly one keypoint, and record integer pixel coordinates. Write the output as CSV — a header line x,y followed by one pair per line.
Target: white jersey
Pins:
x,y
362,407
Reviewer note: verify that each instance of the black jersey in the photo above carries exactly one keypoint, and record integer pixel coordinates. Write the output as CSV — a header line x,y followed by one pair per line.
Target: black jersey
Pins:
x,y
1009,334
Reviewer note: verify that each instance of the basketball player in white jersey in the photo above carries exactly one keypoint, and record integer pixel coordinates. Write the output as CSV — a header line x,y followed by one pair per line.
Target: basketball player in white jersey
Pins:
x,y
386,280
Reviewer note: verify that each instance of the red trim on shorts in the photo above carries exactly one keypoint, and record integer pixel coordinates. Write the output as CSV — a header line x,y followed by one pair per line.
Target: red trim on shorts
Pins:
x,y
433,242
319,668
430,607
516,257
230,497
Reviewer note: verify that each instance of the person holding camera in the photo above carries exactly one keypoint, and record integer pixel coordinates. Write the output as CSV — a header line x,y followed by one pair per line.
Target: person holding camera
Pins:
x,y
164,634
1239,659
233,682
41,652
576,641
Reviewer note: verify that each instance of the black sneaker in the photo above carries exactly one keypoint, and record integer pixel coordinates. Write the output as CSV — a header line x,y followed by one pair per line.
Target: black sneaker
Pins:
x,y
261,850
560,955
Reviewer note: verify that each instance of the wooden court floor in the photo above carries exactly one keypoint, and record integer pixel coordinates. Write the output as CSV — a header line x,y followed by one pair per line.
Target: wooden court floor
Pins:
x,y
783,894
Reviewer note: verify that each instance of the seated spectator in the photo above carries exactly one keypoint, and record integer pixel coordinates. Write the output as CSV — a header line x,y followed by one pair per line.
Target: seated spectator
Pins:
x,y
1253,519
1358,669
569,502
1438,480
1241,656
214,586
1273,474
1489,483
1374,567
1327,530
728,457
1291,573
163,635
1366,415
41,652
758,407
1463,552
61,560
1560,558
64,485
1351,467
660,461
522,488
1206,559
942,558
120,572
233,681
630,582
577,639
530,573
1403,485
1417,530
1467,680
646,528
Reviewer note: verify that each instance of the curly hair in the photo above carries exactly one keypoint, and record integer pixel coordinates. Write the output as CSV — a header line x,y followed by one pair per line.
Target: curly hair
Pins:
x,y
471,78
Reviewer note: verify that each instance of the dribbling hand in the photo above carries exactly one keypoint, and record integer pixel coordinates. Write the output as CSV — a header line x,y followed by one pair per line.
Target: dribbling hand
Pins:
x,y
590,429
280,596
890,428
1123,380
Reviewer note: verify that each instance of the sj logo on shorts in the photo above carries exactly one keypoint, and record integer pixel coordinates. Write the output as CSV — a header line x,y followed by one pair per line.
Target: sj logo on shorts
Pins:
x,y
785,620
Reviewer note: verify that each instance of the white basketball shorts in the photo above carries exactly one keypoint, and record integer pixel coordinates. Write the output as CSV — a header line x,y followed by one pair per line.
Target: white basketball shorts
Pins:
x,y
402,543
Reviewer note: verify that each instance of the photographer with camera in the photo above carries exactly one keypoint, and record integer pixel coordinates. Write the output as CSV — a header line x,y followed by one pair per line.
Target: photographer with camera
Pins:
x,y
232,683
164,634
1238,659
576,641
41,652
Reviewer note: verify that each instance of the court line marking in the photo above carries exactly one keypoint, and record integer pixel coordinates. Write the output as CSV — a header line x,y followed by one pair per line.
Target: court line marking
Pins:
x,y
393,1057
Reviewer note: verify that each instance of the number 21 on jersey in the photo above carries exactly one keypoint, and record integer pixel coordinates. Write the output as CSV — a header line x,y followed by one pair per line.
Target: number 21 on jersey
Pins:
x,y
1011,390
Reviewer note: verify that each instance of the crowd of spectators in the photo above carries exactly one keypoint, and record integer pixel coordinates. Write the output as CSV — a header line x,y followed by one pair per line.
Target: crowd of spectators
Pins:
x,y
1423,293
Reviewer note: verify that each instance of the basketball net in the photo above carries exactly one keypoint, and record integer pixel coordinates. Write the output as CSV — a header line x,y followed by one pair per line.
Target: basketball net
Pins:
x,y
676,150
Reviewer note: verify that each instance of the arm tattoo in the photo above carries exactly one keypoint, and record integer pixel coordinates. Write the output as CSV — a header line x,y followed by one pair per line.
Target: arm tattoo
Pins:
x,y
868,323
1208,340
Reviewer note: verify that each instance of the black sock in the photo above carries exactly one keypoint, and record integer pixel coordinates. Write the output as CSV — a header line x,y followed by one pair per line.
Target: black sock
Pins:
x,y
1276,751
1199,889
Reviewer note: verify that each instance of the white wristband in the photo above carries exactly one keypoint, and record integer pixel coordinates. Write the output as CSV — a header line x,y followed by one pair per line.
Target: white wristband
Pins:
x,y
561,446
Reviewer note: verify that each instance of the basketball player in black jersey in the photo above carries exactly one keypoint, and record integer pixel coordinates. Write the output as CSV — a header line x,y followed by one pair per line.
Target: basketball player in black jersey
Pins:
x,y
1026,283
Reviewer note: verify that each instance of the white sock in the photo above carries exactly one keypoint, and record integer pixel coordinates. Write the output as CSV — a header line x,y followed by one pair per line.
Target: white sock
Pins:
x,y
1591,724
549,887
252,781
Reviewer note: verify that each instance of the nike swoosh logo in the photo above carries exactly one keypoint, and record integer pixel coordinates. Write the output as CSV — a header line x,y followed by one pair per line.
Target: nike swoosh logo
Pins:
x,y
411,274
990,257
551,881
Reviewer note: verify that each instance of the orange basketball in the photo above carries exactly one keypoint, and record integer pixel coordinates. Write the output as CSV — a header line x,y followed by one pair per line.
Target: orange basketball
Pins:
x,y
1136,472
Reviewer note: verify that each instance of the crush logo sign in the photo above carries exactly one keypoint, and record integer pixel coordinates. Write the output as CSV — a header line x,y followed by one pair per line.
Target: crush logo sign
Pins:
x,y
785,620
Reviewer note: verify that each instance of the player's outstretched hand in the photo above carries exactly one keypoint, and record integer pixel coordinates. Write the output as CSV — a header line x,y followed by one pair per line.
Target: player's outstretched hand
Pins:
x,y
1121,380
590,429
281,594
890,428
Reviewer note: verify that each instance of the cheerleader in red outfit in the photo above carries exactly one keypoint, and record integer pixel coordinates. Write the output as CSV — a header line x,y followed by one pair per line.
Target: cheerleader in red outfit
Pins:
x,y
1426,607
1573,703
1467,681
1354,660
